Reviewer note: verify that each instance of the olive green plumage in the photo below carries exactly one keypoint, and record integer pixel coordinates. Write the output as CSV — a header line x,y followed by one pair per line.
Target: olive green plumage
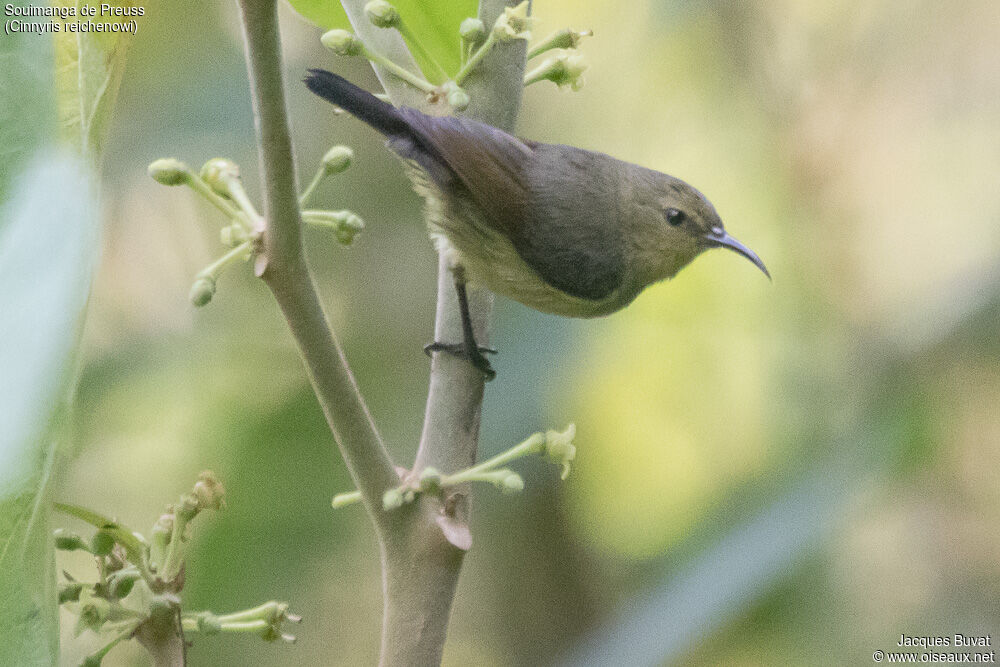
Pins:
x,y
560,229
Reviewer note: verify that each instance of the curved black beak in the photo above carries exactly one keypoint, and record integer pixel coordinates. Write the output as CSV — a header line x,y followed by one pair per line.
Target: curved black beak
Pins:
x,y
720,238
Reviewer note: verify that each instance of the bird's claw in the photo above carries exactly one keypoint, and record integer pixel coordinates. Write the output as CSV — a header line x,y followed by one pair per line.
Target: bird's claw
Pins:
x,y
477,357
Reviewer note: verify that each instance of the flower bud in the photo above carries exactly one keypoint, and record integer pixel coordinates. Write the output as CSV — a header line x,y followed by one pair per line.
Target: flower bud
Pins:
x,y
188,507
511,483
559,448
342,42
514,23
232,235
472,30
164,526
69,591
202,291
382,14
160,538
102,543
348,228
169,171
94,611
568,39
209,491
67,541
343,500
392,499
218,173
337,160
457,97
121,582
344,224
565,69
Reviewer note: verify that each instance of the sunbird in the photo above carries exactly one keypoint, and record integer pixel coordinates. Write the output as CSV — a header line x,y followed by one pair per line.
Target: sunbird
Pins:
x,y
560,229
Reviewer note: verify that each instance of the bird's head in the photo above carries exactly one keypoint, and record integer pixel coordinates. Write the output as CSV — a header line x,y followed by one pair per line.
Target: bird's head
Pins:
x,y
678,223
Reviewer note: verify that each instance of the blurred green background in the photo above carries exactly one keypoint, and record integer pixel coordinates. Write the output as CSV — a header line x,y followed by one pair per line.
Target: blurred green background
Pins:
x,y
786,473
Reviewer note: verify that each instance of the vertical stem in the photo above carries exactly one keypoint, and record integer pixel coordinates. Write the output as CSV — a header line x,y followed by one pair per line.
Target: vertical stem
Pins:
x,y
424,580
420,567
281,264
451,423
163,638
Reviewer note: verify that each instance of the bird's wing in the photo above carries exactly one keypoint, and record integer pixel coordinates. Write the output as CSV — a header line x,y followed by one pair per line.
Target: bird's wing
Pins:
x,y
573,234
552,202
489,163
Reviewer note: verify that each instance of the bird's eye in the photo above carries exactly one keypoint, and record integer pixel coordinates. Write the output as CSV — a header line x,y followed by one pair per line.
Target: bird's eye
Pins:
x,y
674,216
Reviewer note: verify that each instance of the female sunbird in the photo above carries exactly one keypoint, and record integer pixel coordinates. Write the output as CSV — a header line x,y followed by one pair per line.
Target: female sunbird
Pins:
x,y
560,229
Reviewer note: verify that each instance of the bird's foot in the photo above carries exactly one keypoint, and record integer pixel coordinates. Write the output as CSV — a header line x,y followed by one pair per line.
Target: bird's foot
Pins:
x,y
477,357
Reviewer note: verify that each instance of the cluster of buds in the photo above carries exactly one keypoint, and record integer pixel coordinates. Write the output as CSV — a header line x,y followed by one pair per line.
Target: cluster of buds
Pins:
x,y
139,581
555,446
432,79
219,183
170,535
266,620
564,68
476,42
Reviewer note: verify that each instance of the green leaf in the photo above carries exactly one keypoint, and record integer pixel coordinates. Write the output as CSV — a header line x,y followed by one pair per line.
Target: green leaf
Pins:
x,y
89,69
48,247
27,114
435,22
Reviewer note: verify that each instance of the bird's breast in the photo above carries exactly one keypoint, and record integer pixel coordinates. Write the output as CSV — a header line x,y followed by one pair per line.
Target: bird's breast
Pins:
x,y
491,260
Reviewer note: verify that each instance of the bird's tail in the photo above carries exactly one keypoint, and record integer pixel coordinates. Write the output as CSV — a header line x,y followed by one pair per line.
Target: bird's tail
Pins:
x,y
337,90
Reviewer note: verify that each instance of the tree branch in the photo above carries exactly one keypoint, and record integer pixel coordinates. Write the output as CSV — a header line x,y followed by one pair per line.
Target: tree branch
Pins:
x,y
282,265
421,576
163,637
421,555
451,422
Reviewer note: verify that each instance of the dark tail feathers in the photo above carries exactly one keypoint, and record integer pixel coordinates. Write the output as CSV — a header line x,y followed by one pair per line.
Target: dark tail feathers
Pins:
x,y
337,90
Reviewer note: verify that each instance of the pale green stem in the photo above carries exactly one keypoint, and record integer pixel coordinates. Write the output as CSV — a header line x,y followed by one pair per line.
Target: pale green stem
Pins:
x,y
172,563
344,499
219,202
129,628
255,613
239,195
540,73
213,271
246,626
313,184
556,40
480,472
532,445
476,58
399,72
322,218
190,624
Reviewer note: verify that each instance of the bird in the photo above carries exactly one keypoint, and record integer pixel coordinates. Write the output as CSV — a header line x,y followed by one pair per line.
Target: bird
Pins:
x,y
560,229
